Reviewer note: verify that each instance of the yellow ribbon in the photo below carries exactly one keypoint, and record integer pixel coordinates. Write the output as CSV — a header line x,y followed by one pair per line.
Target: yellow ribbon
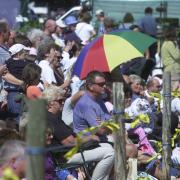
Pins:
x,y
154,157
141,118
8,174
159,97
143,178
176,135
176,93
113,126
159,145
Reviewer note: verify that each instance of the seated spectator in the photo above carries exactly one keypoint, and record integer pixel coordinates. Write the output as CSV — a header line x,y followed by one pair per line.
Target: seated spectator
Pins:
x,y
31,78
136,86
15,66
90,110
12,155
64,135
67,113
35,36
153,94
7,133
50,169
47,54
59,34
17,63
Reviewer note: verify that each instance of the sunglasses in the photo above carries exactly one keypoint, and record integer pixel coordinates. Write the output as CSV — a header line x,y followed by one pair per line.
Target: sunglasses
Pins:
x,y
101,84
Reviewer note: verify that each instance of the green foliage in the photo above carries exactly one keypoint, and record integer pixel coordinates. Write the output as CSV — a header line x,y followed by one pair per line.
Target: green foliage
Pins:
x,y
26,26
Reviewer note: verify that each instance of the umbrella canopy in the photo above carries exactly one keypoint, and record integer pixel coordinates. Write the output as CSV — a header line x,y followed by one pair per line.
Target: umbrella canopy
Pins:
x,y
110,50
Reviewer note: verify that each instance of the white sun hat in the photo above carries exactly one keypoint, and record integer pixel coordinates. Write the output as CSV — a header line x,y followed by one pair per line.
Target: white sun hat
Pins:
x,y
14,49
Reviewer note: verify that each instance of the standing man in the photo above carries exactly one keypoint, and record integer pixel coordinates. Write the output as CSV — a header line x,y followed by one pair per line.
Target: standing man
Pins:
x,y
4,53
49,29
4,37
99,26
148,25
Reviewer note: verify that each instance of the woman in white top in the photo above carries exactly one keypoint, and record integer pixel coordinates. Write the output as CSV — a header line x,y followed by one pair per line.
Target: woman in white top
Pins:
x,y
84,29
48,53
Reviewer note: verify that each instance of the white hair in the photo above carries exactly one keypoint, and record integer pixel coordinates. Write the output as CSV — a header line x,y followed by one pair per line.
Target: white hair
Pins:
x,y
34,34
11,149
52,93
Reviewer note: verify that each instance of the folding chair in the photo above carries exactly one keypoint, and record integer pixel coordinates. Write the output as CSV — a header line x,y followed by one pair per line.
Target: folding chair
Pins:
x,y
57,153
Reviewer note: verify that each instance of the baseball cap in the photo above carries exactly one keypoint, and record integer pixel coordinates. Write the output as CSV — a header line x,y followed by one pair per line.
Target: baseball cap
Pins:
x,y
70,20
99,12
14,49
60,23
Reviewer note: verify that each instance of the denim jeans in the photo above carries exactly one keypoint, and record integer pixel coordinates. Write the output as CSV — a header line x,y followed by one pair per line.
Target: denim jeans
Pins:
x,y
14,106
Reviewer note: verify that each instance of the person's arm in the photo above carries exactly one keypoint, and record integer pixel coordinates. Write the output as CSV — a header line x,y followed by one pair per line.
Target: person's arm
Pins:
x,y
12,79
70,140
90,137
66,83
3,69
76,97
174,51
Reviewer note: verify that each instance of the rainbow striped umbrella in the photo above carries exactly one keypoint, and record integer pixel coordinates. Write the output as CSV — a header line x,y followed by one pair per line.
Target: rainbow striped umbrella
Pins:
x,y
110,50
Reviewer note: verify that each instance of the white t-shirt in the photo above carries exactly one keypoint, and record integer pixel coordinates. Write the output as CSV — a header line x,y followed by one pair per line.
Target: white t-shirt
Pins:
x,y
175,105
84,31
47,74
67,113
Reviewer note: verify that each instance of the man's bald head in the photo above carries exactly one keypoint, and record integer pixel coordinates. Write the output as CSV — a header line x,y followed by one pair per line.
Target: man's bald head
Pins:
x,y
50,26
154,85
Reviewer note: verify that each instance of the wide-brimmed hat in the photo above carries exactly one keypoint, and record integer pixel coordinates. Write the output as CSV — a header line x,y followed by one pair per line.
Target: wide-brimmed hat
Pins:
x,y
16,48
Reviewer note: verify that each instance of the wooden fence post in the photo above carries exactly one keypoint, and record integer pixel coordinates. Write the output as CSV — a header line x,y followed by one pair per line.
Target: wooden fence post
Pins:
x,y
166,129
119,137
36,139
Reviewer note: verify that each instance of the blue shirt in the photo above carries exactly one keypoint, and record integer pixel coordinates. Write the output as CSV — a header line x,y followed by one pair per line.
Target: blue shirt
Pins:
x,y
148,25
87,110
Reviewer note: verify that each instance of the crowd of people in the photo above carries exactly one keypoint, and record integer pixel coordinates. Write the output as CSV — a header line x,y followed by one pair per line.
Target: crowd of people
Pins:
x,y
39,64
